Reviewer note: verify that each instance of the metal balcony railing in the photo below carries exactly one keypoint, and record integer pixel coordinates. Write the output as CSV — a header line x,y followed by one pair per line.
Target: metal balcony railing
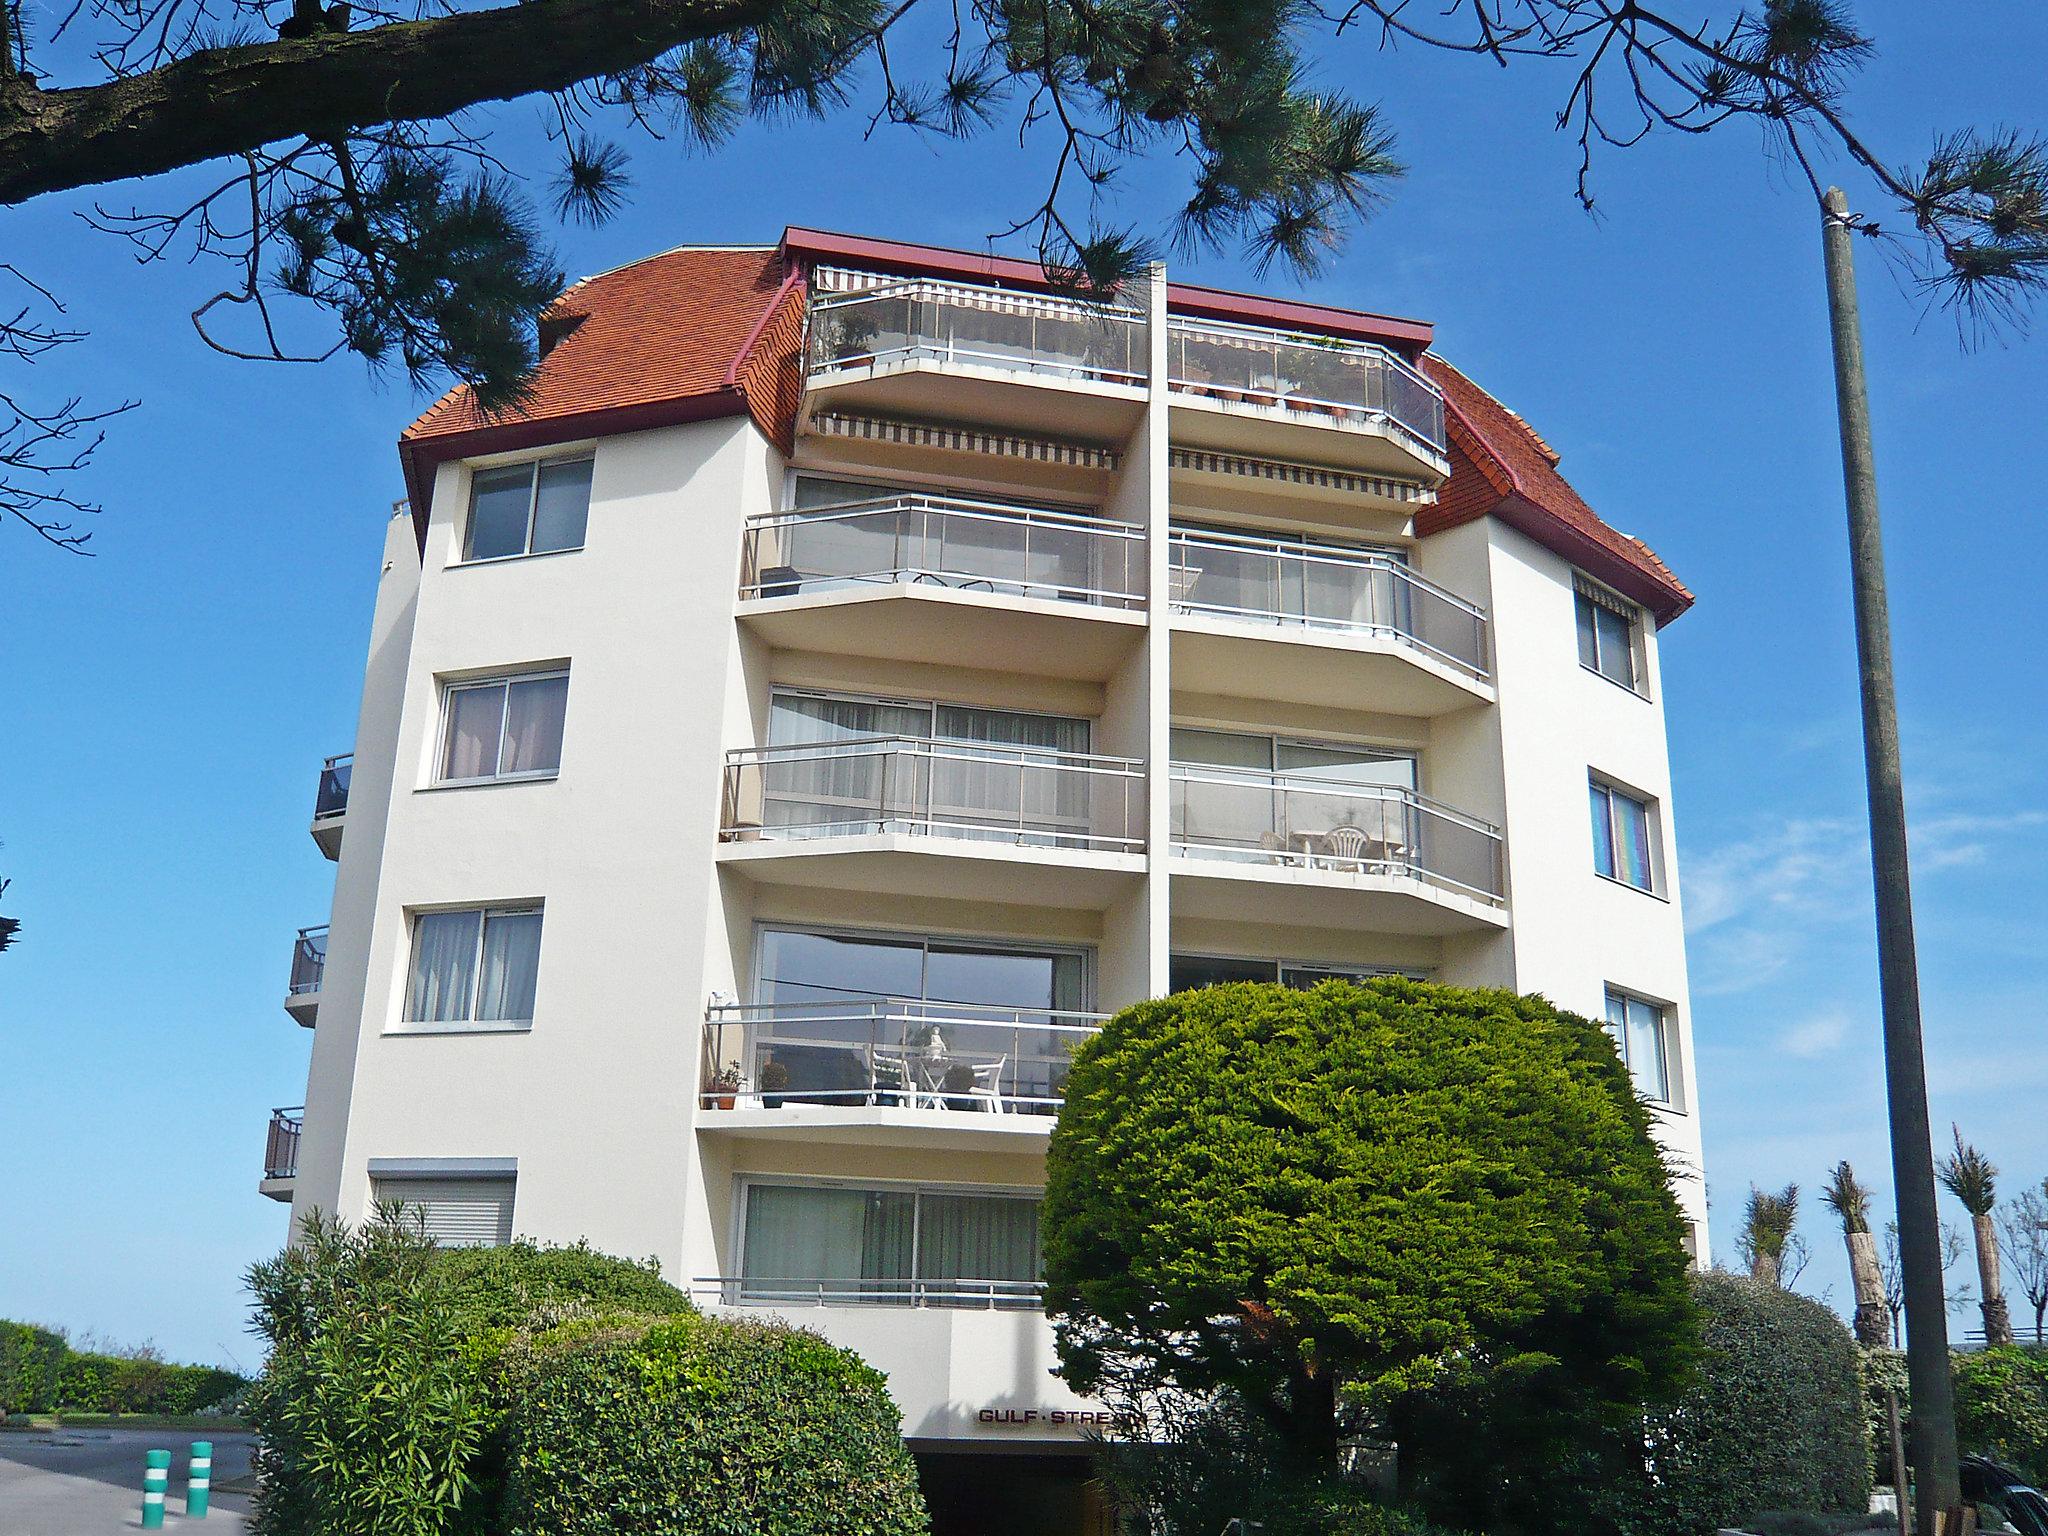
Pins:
x,y
973,546
1325,586
1324,376
281,1147
309,961
1272,818
331,799
980,792
893,1052
1027,333
784,1291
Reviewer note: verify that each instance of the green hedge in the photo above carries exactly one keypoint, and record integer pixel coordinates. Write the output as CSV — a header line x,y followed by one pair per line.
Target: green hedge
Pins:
x,y
2001,1398
41,1373
703,1425
1775,1421
523,1285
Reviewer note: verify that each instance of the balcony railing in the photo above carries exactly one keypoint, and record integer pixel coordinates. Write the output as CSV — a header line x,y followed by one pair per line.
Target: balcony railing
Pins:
x,y
309,961
1322,586
981,327
782,1291
1310,375
1246,816
281,1148
332,797
980,792
894,1052
972,546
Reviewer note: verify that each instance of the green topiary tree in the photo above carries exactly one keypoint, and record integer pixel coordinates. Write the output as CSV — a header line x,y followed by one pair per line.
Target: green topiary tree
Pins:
x,y
690,1424
1309,1198
1774,1422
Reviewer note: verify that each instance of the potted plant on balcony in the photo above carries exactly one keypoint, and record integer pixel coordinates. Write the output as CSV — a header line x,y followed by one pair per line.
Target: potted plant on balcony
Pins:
x,y
774,1079
958,1086
722,1087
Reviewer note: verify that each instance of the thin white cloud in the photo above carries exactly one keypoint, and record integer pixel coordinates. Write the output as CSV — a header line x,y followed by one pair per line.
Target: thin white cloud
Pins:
x,y
1821,1034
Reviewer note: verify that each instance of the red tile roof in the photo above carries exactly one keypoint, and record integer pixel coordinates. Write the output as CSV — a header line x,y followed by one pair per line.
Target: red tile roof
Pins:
x,y
1500,467
690,335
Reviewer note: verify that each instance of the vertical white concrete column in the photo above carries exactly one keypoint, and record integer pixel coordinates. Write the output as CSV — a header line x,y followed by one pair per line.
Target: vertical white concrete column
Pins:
x,y
1153,439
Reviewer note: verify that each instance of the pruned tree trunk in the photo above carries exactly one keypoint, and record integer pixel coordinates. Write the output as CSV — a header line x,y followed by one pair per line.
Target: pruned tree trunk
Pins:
x,y
1991,1282
1873,1316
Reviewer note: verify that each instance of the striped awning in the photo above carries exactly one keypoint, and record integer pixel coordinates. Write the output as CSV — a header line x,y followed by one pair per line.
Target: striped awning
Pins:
x,y
1288,473
927,434
1004,301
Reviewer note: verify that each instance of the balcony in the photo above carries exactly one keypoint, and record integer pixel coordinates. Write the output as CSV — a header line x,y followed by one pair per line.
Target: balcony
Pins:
x,y
281,1152
309,965
955,352
911,577
330,803
973,1295
889,1071
1328,855
1323,625
1290,395
912,815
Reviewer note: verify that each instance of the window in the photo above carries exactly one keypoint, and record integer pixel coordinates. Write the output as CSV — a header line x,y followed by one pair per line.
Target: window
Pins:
x,y
474,966
1640,1030
901,1247
503,728
527,509
1621,836
457,1213
1187,972
1610,634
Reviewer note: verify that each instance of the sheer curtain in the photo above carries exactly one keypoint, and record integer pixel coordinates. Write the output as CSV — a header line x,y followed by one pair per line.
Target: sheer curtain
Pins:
x,y
511,967
1008,788
534,708
443,966
476,717
851,1240
851,789
977,1237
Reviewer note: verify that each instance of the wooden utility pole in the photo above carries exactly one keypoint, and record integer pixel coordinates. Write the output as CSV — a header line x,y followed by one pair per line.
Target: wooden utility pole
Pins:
x,y
1933,1422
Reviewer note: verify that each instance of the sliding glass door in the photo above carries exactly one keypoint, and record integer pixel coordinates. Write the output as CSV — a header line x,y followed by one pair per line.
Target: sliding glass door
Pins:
x,y
902,1247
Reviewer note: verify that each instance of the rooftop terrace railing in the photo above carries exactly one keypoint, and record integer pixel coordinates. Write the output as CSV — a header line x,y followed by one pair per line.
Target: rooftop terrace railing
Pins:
x,y
953,542
1311,376
919,319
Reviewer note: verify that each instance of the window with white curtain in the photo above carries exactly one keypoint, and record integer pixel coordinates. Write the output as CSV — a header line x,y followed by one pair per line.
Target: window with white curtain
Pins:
x,y
499,728
1641,1031
536,508
474,967
1622,836
891,1247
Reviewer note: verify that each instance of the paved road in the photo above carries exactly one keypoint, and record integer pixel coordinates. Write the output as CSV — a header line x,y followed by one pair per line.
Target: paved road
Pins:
x,y
88,1482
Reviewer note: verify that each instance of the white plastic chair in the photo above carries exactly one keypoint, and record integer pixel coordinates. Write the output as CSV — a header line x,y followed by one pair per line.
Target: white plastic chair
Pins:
x,y
988,1085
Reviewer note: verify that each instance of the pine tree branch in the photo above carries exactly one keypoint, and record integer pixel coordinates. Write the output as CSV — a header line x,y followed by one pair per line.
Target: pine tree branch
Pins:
x,y
229,101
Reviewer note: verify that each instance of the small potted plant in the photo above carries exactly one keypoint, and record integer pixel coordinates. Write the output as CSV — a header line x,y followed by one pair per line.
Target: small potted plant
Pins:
x,y
722,1087
958,1085
774,1079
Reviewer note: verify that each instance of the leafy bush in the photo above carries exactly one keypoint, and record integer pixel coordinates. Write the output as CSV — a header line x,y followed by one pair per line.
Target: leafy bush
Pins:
x,y
30,1359
525,1285
1775,1421
690,1424
2002,1407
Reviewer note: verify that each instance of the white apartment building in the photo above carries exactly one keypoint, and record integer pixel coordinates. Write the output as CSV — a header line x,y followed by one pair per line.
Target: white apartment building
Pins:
x,y
859,672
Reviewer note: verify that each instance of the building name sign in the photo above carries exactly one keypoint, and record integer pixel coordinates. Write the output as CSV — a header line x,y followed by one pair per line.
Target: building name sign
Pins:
x,y
1052,1418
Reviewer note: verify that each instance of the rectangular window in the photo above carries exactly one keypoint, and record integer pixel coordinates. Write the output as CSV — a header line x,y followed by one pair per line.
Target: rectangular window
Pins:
x,y
1621,836
456,1213
503,728
474,966
535,508
1187,972
1610,634
900,1247
1641,1033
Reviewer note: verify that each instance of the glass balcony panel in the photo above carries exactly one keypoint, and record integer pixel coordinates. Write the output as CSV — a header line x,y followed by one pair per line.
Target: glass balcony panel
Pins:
x,y
1305,373
1022,333
331,799
309,961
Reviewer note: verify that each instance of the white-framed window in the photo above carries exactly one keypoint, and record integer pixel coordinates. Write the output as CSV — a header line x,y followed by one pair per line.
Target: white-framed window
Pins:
x,y
1642,1033
1624,835
888,1245
498,728
473,968
535,508
454,1212
1610,634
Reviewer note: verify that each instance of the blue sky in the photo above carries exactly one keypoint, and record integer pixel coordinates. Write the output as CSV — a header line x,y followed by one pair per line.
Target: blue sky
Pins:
x,y
166,705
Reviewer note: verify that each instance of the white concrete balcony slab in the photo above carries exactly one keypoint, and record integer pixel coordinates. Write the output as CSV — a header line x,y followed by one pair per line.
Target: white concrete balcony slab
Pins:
x,y
1322,624
309,970
915,816
920,578
1291,395
1314,854
330,803
932,350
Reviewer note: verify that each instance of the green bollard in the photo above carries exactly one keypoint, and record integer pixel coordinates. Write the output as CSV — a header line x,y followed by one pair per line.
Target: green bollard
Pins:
x,y
156,1476
199,1480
